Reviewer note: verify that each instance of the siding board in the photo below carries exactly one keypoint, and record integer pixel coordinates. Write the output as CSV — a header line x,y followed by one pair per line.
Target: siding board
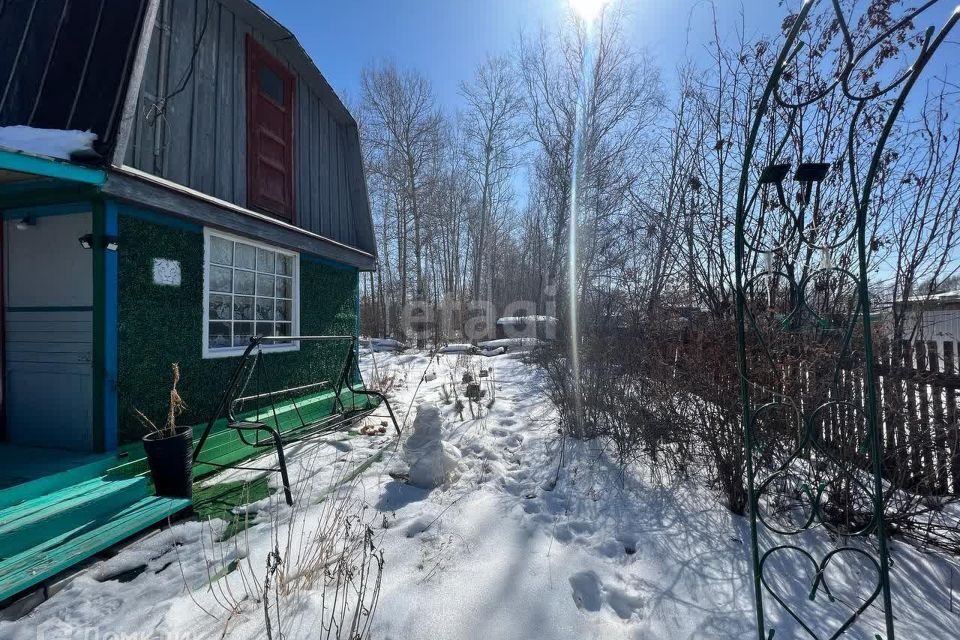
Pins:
x,y
179,108
140,153
239,109
224,153
203,147
313,169
301,146
321,167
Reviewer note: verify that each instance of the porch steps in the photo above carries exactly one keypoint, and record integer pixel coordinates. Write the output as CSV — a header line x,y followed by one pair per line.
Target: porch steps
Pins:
x,y
42,535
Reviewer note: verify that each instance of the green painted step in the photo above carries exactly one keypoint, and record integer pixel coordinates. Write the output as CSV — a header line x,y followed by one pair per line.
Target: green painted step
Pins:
x,y
44,518
63,498
51,556
25,491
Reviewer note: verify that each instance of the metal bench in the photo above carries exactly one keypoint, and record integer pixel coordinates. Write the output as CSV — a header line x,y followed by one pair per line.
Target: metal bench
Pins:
x,y
263,426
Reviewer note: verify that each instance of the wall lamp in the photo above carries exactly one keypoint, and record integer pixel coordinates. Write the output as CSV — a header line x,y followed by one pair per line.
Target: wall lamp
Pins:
x,y
110,243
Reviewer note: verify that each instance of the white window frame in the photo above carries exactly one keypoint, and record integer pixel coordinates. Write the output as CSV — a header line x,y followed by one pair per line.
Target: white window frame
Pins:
x,y
226,352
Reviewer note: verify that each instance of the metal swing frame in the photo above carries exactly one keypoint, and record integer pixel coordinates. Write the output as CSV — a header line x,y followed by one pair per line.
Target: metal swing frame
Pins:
x,y
265,435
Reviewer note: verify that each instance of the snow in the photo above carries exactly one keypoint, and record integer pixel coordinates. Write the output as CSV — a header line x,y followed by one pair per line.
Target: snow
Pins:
x,y
503,544
511,320
510,343
493,352
457,347
55,143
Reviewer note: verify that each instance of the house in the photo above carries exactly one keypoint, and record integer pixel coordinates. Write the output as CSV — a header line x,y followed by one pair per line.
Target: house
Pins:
x,y
932,319
223,197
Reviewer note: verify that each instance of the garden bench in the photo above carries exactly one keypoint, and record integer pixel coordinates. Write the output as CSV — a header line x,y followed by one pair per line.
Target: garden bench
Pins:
x,y
282,416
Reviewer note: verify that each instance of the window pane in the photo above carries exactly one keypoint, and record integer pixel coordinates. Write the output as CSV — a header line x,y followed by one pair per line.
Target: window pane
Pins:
x,y
220,306
219,335
264,328
284,264
284,287
270,83
283,328
265,260
285,310
264,285
264,308
243,282
221,250
242,308
246,256
242,332
221,278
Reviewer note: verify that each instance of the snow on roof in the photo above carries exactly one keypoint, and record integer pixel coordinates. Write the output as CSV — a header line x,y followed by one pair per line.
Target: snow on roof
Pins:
x,y
526,319
54,143
931,298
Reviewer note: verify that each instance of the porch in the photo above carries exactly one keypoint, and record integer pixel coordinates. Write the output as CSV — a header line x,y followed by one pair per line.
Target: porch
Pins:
x,y
59,508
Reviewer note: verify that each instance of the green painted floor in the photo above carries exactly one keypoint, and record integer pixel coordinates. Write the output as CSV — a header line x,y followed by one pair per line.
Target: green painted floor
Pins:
x,y
58,508
23,464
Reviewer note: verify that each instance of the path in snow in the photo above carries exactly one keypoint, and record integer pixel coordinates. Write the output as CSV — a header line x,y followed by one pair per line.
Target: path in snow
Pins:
x,y
482,542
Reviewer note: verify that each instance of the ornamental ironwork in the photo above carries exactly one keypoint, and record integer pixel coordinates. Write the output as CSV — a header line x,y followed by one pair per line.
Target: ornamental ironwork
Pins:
x,y
803,241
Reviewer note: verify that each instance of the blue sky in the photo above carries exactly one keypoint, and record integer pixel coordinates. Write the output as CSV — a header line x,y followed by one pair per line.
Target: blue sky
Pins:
x,y
446,39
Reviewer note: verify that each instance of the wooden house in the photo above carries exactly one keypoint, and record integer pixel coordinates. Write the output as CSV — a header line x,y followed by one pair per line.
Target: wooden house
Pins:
x,y
224,197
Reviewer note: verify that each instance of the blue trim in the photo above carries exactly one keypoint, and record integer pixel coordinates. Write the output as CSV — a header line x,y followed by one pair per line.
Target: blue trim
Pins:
x,y
41,211
309,257
357,378
110,340
157,218
37,165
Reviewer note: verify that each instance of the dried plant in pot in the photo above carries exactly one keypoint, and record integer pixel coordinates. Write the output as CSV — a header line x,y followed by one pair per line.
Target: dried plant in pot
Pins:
x,y
169,448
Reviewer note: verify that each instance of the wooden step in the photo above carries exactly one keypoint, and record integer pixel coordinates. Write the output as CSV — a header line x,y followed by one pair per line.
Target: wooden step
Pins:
x,y
62,499
33,565
25,491
43,519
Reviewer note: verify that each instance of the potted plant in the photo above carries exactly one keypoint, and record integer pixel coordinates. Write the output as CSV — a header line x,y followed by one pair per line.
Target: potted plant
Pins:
x,y
170,449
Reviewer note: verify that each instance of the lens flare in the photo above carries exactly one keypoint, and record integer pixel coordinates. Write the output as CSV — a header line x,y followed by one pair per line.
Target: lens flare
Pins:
x,y
588,10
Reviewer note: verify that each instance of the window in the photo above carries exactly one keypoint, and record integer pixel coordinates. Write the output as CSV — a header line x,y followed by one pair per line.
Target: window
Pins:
x,y
249,289
269,133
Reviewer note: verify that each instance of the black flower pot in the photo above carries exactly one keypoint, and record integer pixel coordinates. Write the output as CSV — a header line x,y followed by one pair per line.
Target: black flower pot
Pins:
x,y
171,462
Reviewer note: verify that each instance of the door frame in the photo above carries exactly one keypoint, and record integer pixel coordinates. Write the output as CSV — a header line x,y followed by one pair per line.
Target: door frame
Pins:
x,y
104,222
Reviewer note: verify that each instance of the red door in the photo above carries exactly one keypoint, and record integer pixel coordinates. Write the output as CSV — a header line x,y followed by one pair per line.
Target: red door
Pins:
x,y
269,133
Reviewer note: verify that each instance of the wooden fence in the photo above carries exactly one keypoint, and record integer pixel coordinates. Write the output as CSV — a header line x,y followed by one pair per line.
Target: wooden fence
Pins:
x,y
918,386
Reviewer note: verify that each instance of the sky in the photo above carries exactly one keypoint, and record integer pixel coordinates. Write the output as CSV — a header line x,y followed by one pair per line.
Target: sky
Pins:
x,y
446,39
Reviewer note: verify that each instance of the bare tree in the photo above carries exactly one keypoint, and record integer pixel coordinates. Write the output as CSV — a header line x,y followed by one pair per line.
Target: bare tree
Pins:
x,y
402,128
493,136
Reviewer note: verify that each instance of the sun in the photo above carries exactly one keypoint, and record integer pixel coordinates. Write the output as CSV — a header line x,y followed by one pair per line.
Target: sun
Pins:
x,y
588,10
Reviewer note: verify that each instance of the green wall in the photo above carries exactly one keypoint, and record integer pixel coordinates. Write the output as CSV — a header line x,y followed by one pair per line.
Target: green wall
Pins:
x,y
163,324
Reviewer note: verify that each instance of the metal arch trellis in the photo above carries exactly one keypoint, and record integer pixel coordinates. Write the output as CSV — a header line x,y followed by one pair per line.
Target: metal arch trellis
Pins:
x,y
809,453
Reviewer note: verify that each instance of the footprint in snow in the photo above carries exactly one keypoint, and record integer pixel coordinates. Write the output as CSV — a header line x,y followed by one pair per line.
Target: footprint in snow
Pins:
x,y
590,594
586,590
418,526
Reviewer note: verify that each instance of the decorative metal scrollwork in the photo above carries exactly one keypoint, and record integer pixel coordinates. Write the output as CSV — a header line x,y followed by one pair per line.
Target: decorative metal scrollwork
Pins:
x,y
813,451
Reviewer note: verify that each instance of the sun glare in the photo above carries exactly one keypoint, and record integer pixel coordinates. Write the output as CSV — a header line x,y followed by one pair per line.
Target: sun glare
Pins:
x,y
588,10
